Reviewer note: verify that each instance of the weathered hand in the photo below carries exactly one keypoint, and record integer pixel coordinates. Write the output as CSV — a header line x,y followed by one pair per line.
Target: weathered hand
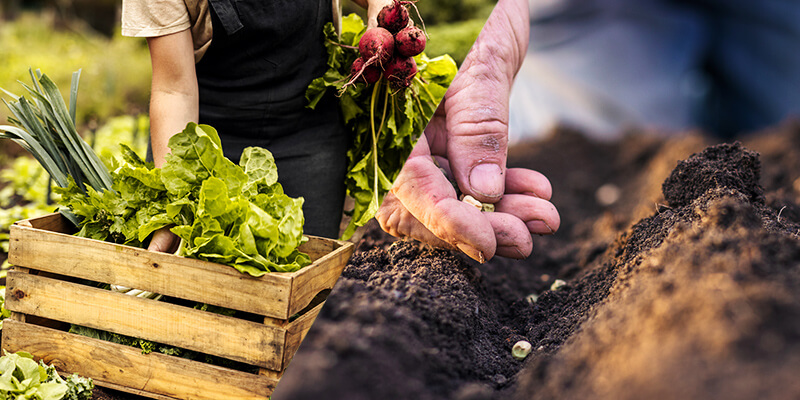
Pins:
x,y
469,136
164,241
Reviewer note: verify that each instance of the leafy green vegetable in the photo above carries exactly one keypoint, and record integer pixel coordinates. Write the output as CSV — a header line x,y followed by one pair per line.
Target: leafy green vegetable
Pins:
x,y
224,213
26,186
46,129
235,215
24,378
386,123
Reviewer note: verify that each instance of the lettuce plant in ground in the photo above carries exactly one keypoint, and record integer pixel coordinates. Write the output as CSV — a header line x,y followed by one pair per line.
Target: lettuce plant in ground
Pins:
x,y
386,121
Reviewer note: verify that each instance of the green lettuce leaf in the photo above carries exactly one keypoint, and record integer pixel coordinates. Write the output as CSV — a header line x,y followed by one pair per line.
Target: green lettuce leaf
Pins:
x,y
226,213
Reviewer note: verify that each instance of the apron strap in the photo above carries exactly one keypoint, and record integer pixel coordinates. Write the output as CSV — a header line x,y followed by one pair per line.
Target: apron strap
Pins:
x,y
227,15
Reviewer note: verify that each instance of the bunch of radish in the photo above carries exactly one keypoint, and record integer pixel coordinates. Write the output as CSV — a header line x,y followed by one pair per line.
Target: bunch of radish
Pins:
x,y
387,90
388,49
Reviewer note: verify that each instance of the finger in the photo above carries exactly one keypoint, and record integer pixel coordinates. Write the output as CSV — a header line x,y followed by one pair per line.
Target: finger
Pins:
x,y
374,7
477,135
527,181
427,195
395,219
513,238
539,215
477,103
164,241
436,132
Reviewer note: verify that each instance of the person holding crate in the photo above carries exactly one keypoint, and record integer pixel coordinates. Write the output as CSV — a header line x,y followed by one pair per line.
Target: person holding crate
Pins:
x,y
243,67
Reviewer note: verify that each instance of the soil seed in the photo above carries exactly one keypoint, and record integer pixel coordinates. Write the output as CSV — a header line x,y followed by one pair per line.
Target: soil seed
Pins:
x,y
558,284
521,350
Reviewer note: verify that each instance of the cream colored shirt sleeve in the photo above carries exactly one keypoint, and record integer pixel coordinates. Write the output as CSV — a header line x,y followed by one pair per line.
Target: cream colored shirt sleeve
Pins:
x,y
150,18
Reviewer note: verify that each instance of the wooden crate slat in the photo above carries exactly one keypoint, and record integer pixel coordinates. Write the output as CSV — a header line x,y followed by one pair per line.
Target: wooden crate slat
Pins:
x,y
308,282
41,299
277,295
297,332
236,339
126,368
51,222
137,392
155,272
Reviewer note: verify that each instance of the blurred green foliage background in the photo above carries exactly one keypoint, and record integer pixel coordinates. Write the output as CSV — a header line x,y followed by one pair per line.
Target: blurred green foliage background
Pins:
x,y
115,71
61,36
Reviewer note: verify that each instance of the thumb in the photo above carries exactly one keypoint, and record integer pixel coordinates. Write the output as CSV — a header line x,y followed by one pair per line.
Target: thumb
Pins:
x,y
373,9
477,135
164,241
476,103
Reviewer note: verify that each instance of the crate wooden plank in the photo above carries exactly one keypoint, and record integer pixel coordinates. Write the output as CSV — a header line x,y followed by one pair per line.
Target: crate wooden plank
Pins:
x,y
317,247
133,391
50,222
152,271
308,282
236,339
274,295
123,367
297,332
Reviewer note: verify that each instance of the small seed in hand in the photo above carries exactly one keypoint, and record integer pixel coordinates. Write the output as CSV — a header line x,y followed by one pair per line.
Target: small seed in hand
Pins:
x,y
485,207
472,201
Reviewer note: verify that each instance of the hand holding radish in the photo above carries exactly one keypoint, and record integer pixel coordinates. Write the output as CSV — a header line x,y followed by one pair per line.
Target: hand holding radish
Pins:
x,y
469,134
386,98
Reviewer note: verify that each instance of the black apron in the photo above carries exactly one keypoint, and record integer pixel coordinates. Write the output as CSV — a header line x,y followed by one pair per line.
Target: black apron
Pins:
x,y
252,83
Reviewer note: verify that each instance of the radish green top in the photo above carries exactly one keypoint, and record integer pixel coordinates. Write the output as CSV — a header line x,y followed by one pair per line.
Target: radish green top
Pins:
x,y
386,122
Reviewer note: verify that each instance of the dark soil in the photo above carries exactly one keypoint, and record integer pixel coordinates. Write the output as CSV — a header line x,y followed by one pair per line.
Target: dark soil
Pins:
x,y
690,289
682,282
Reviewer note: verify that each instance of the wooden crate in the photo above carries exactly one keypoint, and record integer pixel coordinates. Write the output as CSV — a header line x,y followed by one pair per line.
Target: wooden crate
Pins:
x,y
45,291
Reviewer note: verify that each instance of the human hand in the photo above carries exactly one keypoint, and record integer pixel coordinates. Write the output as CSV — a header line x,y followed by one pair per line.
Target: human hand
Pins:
x,y
373,8
469,135
164,241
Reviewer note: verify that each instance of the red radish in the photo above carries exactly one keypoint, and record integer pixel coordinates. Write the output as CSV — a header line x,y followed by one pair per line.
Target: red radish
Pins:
x,y
410,41
369,73
377,45
394,17
400,71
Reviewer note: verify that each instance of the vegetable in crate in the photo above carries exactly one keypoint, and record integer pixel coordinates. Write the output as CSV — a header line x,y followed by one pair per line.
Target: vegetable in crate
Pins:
x,y
23,378
386,114
235,215
224,213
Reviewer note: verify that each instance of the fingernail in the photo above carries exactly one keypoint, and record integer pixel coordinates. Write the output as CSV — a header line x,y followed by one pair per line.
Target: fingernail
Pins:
x,y
472,252
539,227
512,250
486,180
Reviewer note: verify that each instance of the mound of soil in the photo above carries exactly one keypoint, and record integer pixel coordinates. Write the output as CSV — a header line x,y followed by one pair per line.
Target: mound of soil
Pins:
x,y
690,289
